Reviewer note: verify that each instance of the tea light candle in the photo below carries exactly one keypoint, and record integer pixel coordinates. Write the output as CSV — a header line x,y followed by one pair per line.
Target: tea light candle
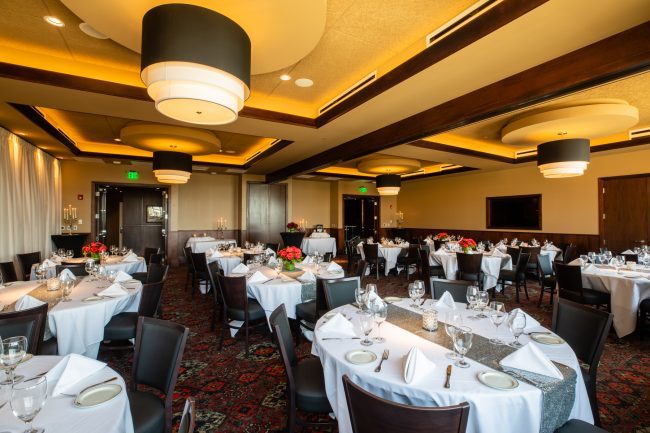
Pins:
x,y
53,284
430,320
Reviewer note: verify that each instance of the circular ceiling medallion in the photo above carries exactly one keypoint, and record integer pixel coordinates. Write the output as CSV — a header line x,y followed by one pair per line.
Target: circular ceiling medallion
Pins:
x,y
157,137
388,165
304,82
90,31
588,119
281,33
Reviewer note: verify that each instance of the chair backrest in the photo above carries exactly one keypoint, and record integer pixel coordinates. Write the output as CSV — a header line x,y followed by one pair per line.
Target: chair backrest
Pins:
x,y
157,259
187,252
631,257
188,419
78,270
283,338
533,251
425,269
362,267
8,271
26,261
29,323
413,251
372,414
513,252
456,288
327,257
370,251
340,292
584,328
214,269
148,252
321,302
570,253
274,247
250,256
150,299
292,239
469,263
522,262
200,262
159,346
233,292
544,265
157,273
569,277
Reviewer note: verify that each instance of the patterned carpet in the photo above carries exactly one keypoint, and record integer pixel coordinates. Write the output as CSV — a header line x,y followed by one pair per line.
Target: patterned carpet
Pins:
x,y
235,394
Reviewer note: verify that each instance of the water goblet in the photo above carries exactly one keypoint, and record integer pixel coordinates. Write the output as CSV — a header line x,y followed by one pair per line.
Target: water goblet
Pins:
x,y
359,294
585,260
418,288
66,289
471,295
69,254
380,311
452,321
367,322
482,301
516,323
27,400
462,343
497,315
89,266
13,351
413,295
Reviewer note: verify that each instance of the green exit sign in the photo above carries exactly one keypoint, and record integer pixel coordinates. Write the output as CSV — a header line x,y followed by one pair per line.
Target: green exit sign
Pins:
x,y
132,175
363,189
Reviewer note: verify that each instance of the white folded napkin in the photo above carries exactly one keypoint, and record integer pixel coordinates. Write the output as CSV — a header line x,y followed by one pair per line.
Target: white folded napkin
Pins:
x,y
531,323
447,301
121,277
71,370
576,262
269,251
114,289
209,252
49,263
497,253
272,261
26,302
337,327
240,269
441,251
130,257
360,245
531,358
334,267
216,254
258,277
307,276
307,260
628,252
417,366
66,275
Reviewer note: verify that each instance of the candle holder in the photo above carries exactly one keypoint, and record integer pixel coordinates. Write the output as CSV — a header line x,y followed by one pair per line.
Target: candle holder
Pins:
x,y
70,218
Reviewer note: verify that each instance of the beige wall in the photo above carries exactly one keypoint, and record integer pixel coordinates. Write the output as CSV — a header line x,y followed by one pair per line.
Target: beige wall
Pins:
x,y
568,205
310,201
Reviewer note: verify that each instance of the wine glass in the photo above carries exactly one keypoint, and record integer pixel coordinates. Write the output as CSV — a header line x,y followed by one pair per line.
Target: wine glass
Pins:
x,y
418,288
413,295
497,315
2,284
13,351
66,289
591,255
359,294
462,343
380,310
69,254
452,321
367,321
585,260
516,323
471,295
27,400
482,301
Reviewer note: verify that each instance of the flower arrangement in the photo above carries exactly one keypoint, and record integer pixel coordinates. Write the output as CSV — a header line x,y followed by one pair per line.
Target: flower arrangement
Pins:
x,y
94,249
467,244
292,227
290,255
442,236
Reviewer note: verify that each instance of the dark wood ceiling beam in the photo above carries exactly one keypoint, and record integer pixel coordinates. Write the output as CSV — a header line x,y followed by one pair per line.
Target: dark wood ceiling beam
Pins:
x,y
621,55
267,152
30,113
424,144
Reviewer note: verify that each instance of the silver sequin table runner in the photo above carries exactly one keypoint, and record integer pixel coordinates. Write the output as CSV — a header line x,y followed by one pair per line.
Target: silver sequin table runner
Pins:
x,y
558,396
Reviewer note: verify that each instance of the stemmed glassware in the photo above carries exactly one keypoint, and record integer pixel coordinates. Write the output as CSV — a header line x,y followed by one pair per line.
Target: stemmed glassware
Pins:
x,y
497,315
517,324
367,322
69,254
452,321
359,294
482,300
462,342
41,271
380,311
2,283
89,266
13,351
472,296
27,400
66,289
416,292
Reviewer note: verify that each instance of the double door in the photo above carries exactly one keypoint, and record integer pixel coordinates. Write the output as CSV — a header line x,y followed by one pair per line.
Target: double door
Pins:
x,y
267,212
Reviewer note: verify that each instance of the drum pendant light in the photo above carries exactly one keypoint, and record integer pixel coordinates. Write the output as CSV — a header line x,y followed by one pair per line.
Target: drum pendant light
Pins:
x,y
172,167
388,184
195,63
563,158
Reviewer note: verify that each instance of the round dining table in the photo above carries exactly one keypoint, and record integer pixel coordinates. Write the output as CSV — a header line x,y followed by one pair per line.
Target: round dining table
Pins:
x,y
490,265
59,415
112,263
387,251
491,410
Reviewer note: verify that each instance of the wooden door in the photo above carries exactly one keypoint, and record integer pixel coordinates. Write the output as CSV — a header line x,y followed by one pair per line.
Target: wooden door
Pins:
x,y
267,212
277,212
625,219
138,230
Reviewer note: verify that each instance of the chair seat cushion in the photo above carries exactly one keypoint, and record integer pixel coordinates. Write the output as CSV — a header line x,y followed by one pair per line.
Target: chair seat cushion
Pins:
x,y
306,311
255,311
148,412
140,276
49,347
589,296
577,426
310,386
509,275
121,327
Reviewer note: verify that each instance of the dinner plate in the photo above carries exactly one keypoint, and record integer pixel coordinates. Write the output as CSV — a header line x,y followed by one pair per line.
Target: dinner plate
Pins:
x,y
97,395
497,380
92,299
547,339
360,356
391,299
331,314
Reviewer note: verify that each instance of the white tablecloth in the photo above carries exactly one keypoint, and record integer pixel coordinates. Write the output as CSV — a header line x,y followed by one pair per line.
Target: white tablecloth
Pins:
x,y
627,289
321,245
60,416
227,262
490,265
552,251
77,325
113,263
492,411
201,245
390,253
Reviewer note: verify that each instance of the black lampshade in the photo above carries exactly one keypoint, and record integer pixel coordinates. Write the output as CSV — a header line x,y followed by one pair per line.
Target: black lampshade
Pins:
x,y
563,158
172,167
388,184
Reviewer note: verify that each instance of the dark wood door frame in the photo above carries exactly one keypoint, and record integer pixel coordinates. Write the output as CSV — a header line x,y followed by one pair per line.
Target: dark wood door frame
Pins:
x,y
378,197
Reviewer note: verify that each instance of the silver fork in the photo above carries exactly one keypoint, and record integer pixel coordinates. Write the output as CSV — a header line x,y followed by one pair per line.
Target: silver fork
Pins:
x,y
384,356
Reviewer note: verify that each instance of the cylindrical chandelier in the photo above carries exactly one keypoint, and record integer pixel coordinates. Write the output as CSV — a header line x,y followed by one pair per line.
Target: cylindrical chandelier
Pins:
x,y
195,63
172,167
388,184
563,158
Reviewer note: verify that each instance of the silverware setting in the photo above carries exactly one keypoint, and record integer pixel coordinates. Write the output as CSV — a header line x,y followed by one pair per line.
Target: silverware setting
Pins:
x,y
39,375
91,386
384,356
341,338
447,384
537,332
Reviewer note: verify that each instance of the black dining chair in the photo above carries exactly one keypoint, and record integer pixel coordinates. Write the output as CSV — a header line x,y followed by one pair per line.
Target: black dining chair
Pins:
x,y
469,267
631,257
372,414
148,252
328,257
187,252
456,288
292,239
372,257
78,270
352,251
305,380
585,329
159,347
428,271
411,258
157,259
8,272
237,306
308,313
200,265
362,268
569,283
155,274
273,246
531,266
188,419
341,291
569,254
517,276
547,280
213,270
29,323
513,252
579,426
26,261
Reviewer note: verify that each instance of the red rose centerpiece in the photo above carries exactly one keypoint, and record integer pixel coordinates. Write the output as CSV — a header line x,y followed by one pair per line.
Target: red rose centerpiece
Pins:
x,y
289,256
442,236
292,227
467,244
94,249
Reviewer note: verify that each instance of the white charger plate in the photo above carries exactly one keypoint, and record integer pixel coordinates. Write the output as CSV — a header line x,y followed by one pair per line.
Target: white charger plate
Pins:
x,y
547,339
97,395
92,299
360,356
498,380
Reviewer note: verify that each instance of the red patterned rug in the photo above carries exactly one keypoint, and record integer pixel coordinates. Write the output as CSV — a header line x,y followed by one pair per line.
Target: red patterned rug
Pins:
x,y
235,394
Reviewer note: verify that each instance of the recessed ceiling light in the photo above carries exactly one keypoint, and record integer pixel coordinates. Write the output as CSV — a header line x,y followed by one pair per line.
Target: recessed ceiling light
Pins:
x,y
119,140
54,21
304,82
90,31
285,77
230,151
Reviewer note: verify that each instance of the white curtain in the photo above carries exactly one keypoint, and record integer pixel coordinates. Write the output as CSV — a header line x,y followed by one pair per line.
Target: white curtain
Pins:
x,y
30,197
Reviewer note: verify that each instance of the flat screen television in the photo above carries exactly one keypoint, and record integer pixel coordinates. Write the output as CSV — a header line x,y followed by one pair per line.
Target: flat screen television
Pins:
x,y
521,212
